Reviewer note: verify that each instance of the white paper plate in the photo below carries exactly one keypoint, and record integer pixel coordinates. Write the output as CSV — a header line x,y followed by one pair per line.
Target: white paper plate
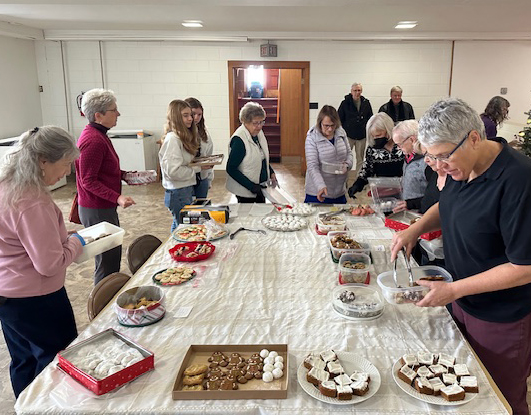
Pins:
x,y
289,211
275,228
436,400
350,363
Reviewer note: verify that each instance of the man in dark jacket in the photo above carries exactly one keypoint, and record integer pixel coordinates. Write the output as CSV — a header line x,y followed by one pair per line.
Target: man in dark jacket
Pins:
x,y
354,112
397,109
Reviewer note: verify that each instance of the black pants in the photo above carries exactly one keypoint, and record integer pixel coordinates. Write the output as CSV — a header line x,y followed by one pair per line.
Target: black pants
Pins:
x,y
258,199
107,262
35,329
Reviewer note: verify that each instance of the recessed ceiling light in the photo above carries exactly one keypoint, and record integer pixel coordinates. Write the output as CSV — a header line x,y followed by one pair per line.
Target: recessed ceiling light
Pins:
x,y
192,23
406,25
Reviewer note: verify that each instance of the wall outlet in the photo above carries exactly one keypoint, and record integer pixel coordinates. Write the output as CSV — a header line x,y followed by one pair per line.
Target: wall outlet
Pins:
x,y
503,91
41,89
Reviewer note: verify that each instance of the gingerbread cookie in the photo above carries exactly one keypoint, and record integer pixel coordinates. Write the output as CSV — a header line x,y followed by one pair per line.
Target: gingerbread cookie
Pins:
x,y
215,372
236,360
214,383
218,358
195,370
229,383
193,380
238,374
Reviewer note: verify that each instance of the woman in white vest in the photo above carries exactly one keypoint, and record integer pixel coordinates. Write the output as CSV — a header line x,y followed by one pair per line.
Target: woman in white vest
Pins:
x,y
248,168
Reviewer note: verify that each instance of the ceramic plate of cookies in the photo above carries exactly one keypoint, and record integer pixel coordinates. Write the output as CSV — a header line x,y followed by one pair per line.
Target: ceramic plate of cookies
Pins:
x,y
443,382
338,378
174,276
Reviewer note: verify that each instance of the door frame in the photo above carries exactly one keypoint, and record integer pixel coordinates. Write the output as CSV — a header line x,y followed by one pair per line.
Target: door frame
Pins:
x,y
233,96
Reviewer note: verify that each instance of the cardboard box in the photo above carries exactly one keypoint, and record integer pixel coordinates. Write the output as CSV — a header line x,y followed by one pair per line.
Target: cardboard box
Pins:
x,y
99,246
254,389
100,387
193,215
403,220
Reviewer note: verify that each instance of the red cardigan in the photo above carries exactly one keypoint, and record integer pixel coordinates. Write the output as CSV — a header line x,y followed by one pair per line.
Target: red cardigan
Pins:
x,y
98,173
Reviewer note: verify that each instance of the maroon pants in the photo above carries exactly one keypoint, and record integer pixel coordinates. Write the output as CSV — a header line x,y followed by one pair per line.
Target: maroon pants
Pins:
x,y
505,350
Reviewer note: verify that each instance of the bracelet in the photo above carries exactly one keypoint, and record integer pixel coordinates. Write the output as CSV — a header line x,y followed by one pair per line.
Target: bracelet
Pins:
x,y
78,236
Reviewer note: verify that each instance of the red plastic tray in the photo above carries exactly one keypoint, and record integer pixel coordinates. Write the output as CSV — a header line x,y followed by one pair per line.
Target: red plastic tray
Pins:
x,y
399,226
190,246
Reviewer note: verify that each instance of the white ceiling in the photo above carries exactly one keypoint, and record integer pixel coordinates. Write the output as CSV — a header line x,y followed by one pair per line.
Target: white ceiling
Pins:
x,y
298,19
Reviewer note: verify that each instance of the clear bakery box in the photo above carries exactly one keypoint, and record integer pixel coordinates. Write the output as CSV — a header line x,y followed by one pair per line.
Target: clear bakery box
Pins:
x,y
386,192
404,294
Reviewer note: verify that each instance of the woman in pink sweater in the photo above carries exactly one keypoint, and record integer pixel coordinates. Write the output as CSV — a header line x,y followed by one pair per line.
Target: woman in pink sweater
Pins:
x,y
35,250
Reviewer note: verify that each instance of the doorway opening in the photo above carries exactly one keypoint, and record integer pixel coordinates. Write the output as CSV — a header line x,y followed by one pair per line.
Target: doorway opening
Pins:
x,y
283,89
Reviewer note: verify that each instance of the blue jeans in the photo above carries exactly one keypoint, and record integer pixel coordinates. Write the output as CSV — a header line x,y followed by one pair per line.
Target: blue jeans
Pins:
x,y
201,189
175,200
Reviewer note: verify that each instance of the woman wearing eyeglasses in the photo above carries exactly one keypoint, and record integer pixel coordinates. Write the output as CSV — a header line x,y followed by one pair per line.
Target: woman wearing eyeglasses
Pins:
x,y
248,168
414,179
382,157
328,159
98,174
483,212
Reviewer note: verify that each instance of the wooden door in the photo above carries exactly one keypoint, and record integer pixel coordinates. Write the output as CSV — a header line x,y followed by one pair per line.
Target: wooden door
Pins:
x,y
291,113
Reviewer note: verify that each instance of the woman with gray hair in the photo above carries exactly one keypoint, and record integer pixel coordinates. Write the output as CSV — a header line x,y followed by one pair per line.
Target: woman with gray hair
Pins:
x,y
35,250
483,212
415,171
248,167
98,174
382,157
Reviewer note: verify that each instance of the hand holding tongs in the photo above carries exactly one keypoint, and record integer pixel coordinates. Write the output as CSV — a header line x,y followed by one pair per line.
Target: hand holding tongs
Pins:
x,y
408,266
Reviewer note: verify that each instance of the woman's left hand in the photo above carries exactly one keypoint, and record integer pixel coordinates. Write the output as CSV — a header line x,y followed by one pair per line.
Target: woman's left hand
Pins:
x,y
400,206
440,294
274,181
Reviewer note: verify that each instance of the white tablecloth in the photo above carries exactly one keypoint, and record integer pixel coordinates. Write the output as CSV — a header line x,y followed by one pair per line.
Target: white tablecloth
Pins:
x,y
261,290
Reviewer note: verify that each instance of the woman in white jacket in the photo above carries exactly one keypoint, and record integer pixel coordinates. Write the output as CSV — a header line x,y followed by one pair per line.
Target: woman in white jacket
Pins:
x,y
206,147
180,146
328,159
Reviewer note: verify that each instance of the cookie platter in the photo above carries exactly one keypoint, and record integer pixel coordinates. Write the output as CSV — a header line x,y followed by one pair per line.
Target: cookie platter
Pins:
x,y
197,233
199,356
284,223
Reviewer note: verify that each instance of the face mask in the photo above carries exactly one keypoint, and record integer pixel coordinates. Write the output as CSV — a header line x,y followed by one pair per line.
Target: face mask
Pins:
x,y
380,142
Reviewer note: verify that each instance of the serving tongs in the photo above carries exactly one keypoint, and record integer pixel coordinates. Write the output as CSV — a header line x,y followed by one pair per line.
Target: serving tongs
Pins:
x,y
408,266
328,215
233,234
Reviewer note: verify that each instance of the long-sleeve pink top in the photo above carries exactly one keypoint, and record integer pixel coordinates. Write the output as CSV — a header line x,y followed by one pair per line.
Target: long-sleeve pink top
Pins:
x,y
35,249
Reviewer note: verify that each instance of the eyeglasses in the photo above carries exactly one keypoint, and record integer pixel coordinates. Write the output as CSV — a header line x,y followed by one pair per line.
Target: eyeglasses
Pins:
x,y
445,157
113,110
400,144
328,126
258,123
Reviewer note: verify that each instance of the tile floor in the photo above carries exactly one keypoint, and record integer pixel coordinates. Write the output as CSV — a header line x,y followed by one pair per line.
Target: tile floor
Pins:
x,y
148,216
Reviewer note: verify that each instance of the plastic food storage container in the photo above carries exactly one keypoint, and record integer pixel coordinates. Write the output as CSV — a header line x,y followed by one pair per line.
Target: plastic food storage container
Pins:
x,y
403,220
382,187
278,196
334,168
144,315
339,244
101,243
357,302
333,223
405,294
354,268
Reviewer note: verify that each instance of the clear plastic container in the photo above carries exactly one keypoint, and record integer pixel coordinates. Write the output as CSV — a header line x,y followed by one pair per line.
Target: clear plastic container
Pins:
x,y
278,196
338,251
358,302
333,223
383,189
353,267
405,294
387,204
334,168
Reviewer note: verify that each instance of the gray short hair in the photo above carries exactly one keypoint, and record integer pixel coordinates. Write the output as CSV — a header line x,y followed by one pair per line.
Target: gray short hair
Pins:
x,y
22,172
396,88
356,84
96,100
379,121
405,129
448,121
250,111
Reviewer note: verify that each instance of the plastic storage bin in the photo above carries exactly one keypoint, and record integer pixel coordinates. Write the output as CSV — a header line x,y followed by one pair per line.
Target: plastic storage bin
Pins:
x,y
348,274
337,252
357,302
385,192
405,294
278,196
90,250
334,168
334,223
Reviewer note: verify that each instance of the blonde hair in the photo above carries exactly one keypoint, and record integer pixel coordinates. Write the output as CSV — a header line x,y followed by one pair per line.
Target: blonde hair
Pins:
x,y
379,121
174,123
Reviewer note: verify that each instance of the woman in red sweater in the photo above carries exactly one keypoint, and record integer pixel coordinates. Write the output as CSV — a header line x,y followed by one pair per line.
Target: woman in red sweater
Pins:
x,y
98,174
